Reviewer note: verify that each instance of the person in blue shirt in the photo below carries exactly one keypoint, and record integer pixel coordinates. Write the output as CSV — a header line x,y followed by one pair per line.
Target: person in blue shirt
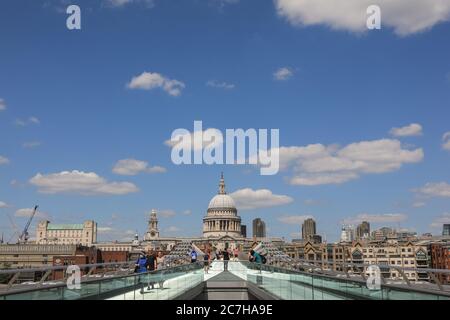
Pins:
x,y
193,256
141,267
255,257
141,264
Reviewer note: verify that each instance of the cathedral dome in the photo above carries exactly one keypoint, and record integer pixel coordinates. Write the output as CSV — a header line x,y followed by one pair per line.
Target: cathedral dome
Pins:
x,y
222,201
221,218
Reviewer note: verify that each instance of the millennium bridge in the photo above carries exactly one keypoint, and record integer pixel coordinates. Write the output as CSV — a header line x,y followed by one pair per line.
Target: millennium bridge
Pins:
x,y
233,280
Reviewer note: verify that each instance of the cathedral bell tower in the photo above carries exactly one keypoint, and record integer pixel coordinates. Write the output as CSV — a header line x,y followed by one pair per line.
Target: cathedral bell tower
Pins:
x,y
152,229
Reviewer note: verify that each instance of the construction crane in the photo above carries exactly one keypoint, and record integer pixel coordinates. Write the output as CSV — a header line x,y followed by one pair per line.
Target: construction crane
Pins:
x,y
24,236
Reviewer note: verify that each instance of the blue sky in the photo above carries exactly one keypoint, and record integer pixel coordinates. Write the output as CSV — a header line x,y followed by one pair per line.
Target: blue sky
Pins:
x,y
66,104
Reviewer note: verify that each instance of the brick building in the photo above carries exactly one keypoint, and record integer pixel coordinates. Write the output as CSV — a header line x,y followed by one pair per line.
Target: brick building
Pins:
x,y
440,259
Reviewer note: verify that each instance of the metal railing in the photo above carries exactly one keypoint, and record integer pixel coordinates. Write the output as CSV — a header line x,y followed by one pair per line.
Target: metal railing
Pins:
x,y
43,275
301,279
351,270
96,286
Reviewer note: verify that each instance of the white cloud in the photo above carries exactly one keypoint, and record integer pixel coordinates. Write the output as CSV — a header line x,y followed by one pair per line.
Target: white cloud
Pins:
x,y
446,141
167,213
283,74
434,189
149,81
249,199
2,105
131,167
187,212
172,229
294,219
419,204
314,202
79,182
104,229
3,160
196,141
220,84
121,3
3,204
325,178
24,123
220,4
113,234
377,218
27,212
31,144
414,129
404,16
439,221
34,120
318,164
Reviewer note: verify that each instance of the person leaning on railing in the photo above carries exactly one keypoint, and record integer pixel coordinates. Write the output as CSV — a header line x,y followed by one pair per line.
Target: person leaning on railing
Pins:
x,y
255,257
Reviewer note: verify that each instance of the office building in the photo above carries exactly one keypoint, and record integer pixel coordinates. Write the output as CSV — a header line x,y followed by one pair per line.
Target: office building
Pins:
x,y
308,229
79,234
259,228
363,230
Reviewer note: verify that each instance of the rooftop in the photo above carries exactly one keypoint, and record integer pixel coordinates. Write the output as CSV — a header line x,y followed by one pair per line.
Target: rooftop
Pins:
x,y
74,226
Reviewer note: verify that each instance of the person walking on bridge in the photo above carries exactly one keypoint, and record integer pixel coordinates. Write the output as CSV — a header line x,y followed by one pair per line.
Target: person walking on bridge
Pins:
x,y
141,263
226,258
141,267
236,254
151,266
206,261
193,256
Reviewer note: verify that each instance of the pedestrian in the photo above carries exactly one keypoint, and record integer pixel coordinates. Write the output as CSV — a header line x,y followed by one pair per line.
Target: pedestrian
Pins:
x,y
141,267
226,258
256,257
236,254
206,261
193,256
160,267
151,266
159,261
141,263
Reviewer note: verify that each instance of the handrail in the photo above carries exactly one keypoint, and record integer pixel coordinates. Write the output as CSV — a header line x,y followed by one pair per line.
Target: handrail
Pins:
x,y
440,292
63,267
328,262
39,287
247,264
309,263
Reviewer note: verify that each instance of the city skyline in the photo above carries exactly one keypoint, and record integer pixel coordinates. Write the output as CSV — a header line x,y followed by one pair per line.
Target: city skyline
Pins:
x,y
87,116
